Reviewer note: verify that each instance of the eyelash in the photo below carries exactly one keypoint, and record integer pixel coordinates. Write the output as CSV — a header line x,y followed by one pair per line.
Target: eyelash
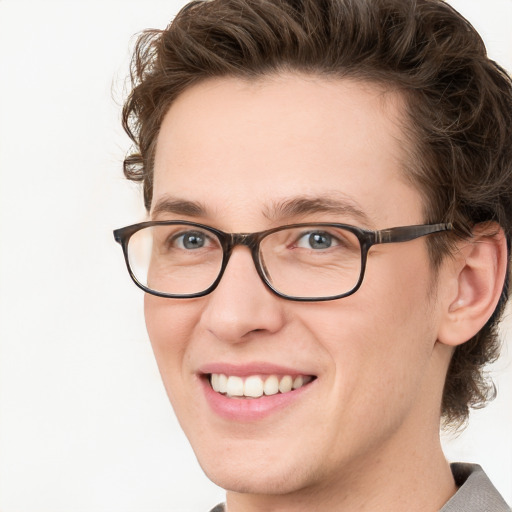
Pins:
x,y
335,241
177,240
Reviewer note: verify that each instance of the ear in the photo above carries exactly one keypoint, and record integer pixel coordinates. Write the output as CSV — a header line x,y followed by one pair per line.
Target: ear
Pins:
x,y
474,283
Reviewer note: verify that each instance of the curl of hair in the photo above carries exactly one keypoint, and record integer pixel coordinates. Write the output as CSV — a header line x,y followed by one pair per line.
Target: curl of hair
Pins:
x,y
459,109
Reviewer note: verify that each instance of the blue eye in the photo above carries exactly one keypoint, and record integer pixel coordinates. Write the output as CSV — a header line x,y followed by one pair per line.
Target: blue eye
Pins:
x,y
191,240
316,240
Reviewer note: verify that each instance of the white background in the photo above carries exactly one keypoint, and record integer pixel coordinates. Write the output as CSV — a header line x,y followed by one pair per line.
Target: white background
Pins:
x,y
84,421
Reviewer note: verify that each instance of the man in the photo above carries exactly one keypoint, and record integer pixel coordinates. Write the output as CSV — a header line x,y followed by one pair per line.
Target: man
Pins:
x,y
330,200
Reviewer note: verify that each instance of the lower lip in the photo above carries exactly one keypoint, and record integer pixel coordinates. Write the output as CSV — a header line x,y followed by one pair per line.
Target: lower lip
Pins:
x,y
250,409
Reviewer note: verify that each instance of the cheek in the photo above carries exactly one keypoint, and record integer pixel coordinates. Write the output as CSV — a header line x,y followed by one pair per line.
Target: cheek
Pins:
x,y
399,301
380,341
170,324
168,321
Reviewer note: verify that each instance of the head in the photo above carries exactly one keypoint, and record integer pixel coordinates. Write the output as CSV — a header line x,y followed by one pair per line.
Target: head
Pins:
x,y
457,109
432,99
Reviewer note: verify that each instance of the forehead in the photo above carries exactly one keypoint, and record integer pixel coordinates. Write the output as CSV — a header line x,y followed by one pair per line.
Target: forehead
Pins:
x,y
236,146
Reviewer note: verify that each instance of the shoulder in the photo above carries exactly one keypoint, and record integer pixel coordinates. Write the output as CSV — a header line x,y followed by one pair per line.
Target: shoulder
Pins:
x,y
476,492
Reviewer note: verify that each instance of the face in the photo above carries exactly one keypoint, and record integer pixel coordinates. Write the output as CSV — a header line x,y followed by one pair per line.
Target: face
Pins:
x,y
240,157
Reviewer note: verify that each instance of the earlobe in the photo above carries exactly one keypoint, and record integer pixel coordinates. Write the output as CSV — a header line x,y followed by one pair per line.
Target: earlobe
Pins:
x,y
477,274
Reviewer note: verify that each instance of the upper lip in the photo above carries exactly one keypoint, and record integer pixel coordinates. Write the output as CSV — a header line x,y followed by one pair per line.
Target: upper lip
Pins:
x,y
247,369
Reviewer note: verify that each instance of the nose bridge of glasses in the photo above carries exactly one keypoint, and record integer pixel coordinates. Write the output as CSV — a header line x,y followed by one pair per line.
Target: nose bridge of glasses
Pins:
x,y
247,239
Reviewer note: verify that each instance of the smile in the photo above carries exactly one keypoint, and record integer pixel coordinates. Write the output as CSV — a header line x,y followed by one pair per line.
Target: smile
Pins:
x,y
255,386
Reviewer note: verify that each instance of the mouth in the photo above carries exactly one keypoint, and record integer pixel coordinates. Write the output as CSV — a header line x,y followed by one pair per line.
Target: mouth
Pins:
x,y
253,392
256,386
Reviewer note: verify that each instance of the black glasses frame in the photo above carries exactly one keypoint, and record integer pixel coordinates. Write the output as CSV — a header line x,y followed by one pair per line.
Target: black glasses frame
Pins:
x,y
367,238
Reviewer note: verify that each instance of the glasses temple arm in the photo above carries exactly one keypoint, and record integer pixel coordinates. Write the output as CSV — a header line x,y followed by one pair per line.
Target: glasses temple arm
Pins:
x,y
406,233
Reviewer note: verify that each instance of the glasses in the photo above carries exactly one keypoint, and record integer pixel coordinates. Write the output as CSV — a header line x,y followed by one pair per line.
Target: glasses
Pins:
x,y
301,262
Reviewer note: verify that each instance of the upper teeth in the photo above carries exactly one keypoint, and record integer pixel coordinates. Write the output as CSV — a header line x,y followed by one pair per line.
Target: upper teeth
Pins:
x,y
255,386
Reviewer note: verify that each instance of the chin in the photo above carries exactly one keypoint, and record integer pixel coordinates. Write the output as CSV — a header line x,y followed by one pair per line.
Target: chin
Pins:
x,y
241,479
259,467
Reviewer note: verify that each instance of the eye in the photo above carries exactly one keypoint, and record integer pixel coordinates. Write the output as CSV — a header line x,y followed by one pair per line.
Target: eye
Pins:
x,y
316,240
191,240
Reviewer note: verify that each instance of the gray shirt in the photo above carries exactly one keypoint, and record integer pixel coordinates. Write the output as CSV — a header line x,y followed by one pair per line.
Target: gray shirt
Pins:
x,y
476,492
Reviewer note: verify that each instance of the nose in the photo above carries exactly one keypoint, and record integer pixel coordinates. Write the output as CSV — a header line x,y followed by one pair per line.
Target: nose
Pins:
x,y
242,305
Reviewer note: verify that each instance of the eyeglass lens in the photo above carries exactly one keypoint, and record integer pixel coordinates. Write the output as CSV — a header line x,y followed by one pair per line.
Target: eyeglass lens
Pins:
x,y
305,261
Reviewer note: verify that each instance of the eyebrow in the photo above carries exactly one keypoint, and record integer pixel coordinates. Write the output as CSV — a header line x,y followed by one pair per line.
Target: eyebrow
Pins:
x,y
276,211
306,205
177,206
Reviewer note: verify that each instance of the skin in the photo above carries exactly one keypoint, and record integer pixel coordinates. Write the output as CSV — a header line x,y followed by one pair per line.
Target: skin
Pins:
x,y
364,436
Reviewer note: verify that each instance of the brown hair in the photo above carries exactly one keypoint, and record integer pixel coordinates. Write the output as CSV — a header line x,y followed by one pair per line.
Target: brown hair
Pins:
x,y
459,108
